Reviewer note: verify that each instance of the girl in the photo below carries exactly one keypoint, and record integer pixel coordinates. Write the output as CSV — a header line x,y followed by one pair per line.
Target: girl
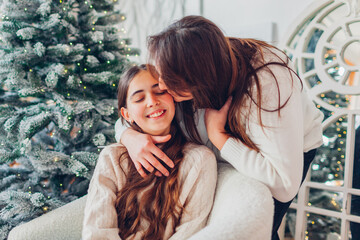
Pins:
x,y
257,116
123,205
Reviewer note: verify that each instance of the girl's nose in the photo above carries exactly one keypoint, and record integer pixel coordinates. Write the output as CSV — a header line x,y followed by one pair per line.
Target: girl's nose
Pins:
x,y
152,100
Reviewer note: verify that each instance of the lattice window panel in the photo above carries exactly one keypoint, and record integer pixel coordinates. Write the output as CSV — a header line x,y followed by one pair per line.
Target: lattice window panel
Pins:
x,y
324,44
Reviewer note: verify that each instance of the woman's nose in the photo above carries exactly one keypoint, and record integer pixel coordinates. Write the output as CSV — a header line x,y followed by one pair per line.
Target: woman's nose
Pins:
x,y
162,85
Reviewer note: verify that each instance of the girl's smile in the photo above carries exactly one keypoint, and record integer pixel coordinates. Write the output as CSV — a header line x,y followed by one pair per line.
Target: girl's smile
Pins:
x,y
157,114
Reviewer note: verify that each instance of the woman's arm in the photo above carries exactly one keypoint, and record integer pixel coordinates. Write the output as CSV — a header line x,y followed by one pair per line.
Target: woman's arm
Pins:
x,y
119,130
199,178
100,216
142,149
279,164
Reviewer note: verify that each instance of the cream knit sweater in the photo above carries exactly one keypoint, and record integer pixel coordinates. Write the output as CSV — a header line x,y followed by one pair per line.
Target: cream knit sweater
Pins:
x,y
198,176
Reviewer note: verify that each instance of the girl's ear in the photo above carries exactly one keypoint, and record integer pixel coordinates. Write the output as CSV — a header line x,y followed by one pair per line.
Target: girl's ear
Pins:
x,y
125,114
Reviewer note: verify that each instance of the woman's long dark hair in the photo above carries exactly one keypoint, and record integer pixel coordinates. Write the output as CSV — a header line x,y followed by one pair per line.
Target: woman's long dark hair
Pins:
x,y
152,199
193,54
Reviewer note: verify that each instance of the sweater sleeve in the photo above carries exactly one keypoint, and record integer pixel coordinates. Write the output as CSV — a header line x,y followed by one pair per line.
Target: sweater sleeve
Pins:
x,y
119,129
279,163
100,216
199,189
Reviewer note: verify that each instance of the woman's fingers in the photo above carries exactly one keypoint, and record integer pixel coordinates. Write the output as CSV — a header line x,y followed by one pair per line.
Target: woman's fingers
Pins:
x,y
143,152
140,169
217,118
160,139
140,165
157,173
162,156
146,165
156,164
215,121
225,109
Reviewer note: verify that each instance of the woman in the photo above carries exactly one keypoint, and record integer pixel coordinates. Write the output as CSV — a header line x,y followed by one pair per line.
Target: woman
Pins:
x,y
257,116
123,205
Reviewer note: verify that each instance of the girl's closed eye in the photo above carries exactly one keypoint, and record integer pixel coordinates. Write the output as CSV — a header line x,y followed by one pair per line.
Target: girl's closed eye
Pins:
x,y
160,92
138,99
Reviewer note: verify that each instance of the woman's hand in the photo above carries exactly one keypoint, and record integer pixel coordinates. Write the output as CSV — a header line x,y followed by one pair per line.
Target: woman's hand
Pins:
x,y
215,121
141,148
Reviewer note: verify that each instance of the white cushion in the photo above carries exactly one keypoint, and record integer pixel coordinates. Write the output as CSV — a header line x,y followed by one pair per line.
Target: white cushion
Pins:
x,y
243,209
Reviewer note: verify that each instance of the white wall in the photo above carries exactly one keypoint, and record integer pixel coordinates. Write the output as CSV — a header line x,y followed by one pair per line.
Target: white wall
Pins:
x,y
262,19
254,18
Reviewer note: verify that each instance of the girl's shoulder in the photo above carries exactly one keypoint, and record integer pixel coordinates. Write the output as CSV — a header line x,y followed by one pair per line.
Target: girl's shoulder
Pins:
x,y
113,148
197,150
198,156
112,153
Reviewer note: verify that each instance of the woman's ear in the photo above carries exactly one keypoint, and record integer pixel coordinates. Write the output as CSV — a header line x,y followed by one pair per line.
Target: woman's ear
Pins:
x,y
125,114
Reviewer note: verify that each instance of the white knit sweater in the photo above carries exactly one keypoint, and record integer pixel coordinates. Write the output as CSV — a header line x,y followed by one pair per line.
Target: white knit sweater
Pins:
x,y
197,174
297,129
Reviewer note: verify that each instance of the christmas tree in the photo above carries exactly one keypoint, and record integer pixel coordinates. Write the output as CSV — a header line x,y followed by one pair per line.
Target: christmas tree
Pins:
x,y
60,62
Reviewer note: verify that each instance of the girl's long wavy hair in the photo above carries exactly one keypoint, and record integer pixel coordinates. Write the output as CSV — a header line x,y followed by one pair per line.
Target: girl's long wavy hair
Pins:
x,y
194,55
154,200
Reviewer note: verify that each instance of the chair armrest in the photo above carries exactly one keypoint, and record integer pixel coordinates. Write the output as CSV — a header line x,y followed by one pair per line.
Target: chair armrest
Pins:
x,y
243,209
62,223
